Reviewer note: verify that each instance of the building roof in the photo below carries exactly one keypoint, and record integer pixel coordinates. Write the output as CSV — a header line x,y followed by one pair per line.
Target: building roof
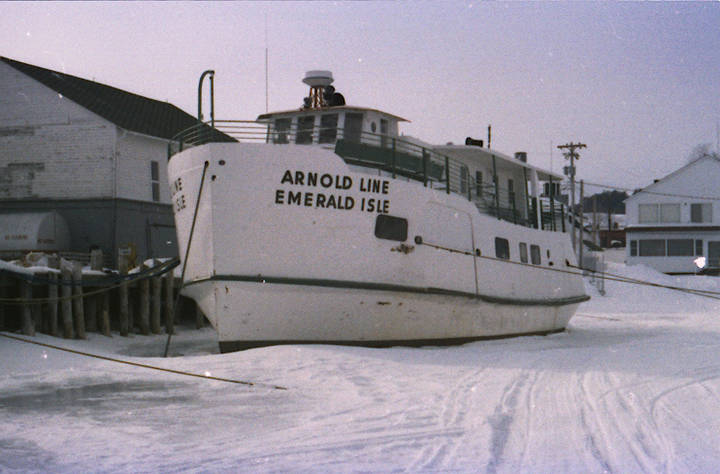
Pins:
x,y
127,110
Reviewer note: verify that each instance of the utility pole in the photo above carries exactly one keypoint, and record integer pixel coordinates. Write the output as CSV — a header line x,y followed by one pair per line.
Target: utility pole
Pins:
x,y
572,155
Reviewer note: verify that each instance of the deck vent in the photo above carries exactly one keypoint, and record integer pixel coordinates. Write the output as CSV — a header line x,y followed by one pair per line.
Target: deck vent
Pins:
x,y
473,142
521,155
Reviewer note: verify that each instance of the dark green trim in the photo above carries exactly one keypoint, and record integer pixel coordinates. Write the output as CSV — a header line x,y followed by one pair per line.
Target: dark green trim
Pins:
x,y
232,346
361,285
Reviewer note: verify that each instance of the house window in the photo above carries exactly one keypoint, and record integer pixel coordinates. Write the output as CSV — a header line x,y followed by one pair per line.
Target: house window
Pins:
x,y
391,228
633,248
535,254
305,130
698,247
680,247
328,128
478,183
653,213
502,248
648,213
670,213
652,248
523,252
701,212
155,180
282,127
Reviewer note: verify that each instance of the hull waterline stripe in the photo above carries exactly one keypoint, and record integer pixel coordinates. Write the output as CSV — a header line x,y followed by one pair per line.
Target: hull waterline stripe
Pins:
x,y
361,285
232,346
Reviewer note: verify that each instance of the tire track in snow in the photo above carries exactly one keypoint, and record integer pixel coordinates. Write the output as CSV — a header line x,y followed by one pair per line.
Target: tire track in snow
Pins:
x,y
502,419
455,408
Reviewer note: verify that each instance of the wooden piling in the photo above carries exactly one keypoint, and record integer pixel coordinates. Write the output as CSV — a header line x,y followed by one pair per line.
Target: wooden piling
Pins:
x,y
156,305
169,303
78,304
91,311
28,327
3,294
105,313
52,304
36,311
123,264
66,303
144,289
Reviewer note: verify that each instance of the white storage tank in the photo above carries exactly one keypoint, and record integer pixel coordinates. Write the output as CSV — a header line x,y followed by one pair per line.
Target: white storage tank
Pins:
x,y
33,231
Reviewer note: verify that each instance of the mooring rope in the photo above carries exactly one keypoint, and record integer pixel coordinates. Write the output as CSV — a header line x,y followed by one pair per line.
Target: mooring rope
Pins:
x,y
607,276
144,366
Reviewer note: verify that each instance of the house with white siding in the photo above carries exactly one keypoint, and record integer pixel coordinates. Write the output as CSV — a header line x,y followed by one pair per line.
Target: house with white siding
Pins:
x,y
94,154
676,220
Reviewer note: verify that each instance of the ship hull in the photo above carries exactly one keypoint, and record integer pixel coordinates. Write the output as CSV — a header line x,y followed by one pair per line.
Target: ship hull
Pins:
x,y
270,262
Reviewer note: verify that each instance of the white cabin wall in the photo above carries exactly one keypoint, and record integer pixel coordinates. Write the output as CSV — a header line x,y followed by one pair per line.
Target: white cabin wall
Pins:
x,y
135,153
50,147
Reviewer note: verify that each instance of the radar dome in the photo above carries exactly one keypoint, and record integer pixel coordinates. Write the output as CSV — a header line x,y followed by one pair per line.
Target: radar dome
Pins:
x,y
318,78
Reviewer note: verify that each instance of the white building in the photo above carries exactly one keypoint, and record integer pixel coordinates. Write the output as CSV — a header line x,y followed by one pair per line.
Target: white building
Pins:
x,y
675,220
94,154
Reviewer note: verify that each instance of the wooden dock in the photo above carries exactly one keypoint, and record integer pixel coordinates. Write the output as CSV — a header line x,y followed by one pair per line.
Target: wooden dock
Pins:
x,y
70,301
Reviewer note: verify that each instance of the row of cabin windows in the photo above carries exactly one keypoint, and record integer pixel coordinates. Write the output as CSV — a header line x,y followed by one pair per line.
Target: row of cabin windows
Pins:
x,y
396,228
326,132
502,250
666,248
670,213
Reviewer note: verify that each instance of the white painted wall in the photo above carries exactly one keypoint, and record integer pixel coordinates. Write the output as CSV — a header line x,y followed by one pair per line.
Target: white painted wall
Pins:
x,y
135,152
700,179
50,147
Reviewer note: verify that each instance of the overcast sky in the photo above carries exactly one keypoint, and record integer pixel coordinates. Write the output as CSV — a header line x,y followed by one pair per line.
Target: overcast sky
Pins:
x,y
639,83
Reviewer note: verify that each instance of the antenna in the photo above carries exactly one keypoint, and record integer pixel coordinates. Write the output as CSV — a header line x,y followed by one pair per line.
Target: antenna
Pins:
x,y
266,62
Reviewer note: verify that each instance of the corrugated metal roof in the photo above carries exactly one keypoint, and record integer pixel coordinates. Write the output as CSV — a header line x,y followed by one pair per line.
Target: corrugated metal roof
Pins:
x,y
127,110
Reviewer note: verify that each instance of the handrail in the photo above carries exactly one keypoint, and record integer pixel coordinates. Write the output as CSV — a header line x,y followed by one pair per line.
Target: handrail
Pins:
x,y
394,155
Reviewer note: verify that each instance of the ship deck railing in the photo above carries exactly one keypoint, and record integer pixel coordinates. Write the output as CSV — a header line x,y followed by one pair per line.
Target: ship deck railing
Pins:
x,y
391,156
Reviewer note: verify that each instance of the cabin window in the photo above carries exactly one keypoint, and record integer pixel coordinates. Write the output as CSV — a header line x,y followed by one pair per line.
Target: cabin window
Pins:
x,y
305,130
502,248
353,127
328,128
464,178
282,127
701,212
384,133
391,228
478,183
523,252
155,180
511,193
535,255
698,247
633,248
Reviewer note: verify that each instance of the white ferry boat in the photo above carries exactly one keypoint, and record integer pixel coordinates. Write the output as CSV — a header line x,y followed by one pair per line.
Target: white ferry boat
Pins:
x,y
323,224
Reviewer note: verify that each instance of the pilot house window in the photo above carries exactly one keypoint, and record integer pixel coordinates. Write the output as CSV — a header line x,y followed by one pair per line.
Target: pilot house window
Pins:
x,y
305,130
353,127
328,128
282,127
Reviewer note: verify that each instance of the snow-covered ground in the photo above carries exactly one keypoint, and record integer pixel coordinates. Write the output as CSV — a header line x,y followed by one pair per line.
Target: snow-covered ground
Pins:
x,y
632,386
